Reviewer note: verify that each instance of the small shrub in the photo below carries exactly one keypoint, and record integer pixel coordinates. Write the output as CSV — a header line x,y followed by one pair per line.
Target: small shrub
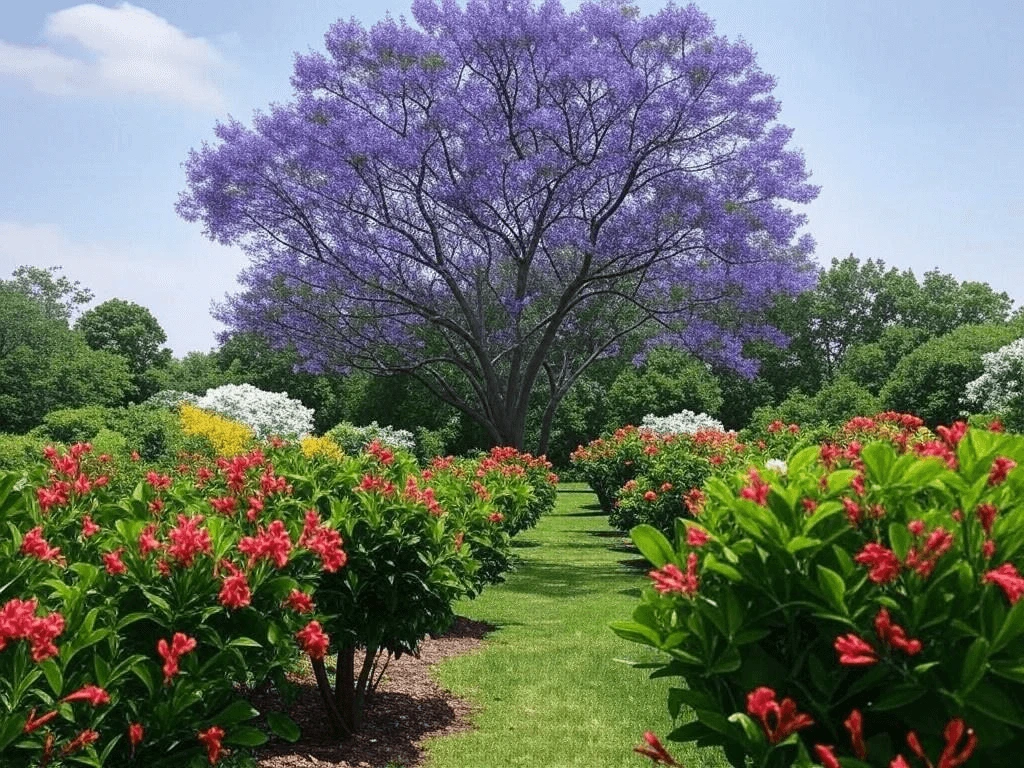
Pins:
x,y
227,437
265,413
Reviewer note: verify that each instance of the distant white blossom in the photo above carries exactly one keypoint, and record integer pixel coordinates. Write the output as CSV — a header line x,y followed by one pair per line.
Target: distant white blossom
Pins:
x,y
776,465
1001,386
684,422
170,398
266,413
353,439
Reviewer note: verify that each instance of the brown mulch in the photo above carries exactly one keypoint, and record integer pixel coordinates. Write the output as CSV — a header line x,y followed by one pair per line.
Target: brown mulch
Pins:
x,y
407,709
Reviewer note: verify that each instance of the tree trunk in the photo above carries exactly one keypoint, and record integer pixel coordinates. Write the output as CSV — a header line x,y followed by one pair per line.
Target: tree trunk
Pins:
x,y
335,716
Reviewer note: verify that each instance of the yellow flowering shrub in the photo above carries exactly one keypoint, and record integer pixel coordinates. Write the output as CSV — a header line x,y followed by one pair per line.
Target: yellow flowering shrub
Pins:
x,y
321,446
227,437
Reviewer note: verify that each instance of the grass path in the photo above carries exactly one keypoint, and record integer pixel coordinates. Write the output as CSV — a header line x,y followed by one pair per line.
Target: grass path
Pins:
x,y
550,692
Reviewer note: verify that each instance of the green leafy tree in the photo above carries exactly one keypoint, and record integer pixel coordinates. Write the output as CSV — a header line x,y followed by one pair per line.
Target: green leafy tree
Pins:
x,y
834,404
870,365
930,381
131,331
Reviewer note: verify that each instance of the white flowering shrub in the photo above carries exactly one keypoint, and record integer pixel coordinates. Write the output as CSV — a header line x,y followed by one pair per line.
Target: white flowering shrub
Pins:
x,y
684,422
777,465
266,413
353,439
1000,389
170,398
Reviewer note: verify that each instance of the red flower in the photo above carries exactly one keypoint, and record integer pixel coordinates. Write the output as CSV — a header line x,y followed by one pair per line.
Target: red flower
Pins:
x,y
853,511
655,751
34,545
112,562
93,694
826,756
695,500
988,549
82,740
158,482
809,505
224,504
135,734
695,537
212,738
299,601
987,516
650,496
666,487
854,651
996,426
883,564
757,490
234,591
916,527
34,722
894,635
1001,467
156,506
272,543
89,528
495,517
1008,579
855,725
778,719
188,540
953,753
324,541
669,578
951,436
147,540
899,762
18,621
171,654
313,641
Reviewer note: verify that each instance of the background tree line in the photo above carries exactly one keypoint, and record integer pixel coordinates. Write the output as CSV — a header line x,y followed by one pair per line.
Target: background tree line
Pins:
x,y
868,337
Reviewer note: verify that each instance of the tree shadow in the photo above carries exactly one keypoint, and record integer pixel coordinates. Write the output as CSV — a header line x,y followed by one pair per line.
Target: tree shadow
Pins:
x,y
636,564
565,580
633,592
521,544
605,534
598,513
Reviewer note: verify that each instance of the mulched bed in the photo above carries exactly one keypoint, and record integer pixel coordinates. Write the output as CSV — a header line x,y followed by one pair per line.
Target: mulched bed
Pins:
x,y
407,709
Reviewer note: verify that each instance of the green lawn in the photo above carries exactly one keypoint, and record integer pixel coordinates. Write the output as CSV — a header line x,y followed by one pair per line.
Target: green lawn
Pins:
x,y
550,691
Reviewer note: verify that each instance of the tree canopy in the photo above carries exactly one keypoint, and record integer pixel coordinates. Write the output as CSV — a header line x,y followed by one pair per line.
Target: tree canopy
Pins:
x,y
495,197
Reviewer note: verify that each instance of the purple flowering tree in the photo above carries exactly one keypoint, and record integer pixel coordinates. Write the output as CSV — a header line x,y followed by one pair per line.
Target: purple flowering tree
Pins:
x,y
494,197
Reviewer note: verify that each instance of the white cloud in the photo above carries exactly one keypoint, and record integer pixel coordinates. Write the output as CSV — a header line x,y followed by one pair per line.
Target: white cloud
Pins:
x,y
176,281
127,50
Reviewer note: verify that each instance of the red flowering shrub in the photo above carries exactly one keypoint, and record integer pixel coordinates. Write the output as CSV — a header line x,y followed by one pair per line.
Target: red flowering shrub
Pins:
x,y
861,609
131,622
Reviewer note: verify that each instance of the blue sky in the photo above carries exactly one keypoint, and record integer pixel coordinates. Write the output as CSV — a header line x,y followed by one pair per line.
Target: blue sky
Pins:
x,y
911,115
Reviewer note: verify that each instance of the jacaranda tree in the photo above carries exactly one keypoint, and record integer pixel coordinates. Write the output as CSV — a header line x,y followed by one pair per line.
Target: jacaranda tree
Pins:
x,y
495,196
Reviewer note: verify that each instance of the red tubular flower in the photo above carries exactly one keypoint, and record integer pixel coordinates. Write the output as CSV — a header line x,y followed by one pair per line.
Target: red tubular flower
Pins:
x,y
899,762
894,635
655,751
496,517
854,651
987,516
313,640
1007,578
960,744
136,733
325,542
951,436
778,719
157,482
34,545
882,562
826,756
225,505
810,505
1001,467
18,621
188,540
272,543
757,490
650,496
669,578
33,722
147,540
112,562
93,694
299,601
234,591
81,741
855,725
89,528
695,537
988,549
853,511
695,500
171,653
212,739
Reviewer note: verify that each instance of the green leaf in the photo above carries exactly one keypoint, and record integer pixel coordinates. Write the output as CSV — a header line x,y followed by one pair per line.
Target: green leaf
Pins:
x,y
246,736
636,633
54,676
283,726
802,459
800,543
652,544
975,663
899,540
753,732
237,712
899,696
1012,628
834,589
712,563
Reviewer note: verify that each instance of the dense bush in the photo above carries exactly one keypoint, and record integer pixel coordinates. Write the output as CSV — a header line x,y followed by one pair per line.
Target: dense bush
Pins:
x,y
683,423
353,439
144,613
931,380
865,602
668,381
265,413
1000,388
833,405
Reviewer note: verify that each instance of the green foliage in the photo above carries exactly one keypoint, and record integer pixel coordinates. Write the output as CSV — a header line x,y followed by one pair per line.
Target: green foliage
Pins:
x,y
17,451
870,365
668,382
766,588
834,404
931,380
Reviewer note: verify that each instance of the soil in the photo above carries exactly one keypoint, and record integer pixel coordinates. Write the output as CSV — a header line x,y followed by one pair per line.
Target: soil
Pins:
x,y
407,709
